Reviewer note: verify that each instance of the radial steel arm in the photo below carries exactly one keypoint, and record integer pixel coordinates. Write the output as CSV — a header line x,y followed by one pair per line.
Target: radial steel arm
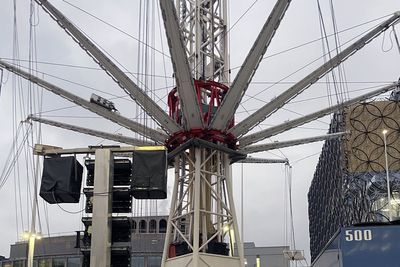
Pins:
x,y
183,74
269,108
248,69
112,116
91,132
138,95
277,145
261,160
261,135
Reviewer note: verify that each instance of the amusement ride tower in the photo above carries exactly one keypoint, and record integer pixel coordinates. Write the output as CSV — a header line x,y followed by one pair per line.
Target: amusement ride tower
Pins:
x,y
199,131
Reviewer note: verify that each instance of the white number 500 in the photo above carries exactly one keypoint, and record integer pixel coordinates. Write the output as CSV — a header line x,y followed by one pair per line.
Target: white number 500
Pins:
x,y
358,235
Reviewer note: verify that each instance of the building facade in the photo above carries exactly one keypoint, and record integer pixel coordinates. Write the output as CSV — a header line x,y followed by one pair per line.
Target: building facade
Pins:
x,y
147,242
349,185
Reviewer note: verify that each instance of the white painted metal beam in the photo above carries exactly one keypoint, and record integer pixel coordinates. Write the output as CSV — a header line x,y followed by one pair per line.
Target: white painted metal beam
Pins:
x,y
101,111
137,94
261,135
91,132
184,80
277,145
271,107
245,75
100,248
262,160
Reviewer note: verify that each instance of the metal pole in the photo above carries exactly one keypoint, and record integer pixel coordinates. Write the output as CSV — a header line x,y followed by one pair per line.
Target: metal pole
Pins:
x,y
32,233
228,170
196,222
167,240
387,175
242,206
100,251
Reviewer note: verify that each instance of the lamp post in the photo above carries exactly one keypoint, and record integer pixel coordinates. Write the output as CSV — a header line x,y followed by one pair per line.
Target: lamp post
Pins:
x,y
31,237
384,132
258,261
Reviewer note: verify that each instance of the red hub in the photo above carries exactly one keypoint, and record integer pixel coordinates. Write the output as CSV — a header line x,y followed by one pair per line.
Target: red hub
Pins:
x,y
209,96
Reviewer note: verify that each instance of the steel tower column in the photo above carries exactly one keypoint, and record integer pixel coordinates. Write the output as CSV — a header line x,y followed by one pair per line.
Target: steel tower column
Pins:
x,y
202,226
100,254
204,28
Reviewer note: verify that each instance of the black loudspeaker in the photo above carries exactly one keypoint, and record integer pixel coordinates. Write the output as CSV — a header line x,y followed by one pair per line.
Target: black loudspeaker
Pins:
x,y
149,174
219,248
61,180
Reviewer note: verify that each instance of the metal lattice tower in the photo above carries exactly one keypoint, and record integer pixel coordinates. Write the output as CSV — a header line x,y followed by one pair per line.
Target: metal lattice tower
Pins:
x,y
204,28
199,130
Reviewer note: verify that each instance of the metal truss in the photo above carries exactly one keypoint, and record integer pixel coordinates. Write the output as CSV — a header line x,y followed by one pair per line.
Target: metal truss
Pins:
x,y
202,209
249,67
277,145
202,213
261,114
91,132
183,75
262,160
137,94
99,110
204,28
262,135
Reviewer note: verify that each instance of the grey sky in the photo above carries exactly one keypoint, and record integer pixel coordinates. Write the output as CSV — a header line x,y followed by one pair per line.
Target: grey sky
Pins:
x,y
264,184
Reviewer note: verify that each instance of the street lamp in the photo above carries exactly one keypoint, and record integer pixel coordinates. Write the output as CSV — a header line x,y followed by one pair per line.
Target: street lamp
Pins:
x,y
31,237
258,261
384,132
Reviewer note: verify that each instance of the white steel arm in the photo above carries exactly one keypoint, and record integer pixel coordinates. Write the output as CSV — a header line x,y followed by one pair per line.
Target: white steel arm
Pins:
x,y
269,108
261,160
277,145
243,78
138,95
184,80
261,135
112,116
91,132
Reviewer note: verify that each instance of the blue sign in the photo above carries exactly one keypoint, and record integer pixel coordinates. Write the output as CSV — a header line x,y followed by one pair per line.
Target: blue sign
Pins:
x,y
370,246
362,246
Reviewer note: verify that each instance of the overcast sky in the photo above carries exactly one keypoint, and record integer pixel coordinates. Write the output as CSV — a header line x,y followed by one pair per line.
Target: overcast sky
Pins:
x,y
377,64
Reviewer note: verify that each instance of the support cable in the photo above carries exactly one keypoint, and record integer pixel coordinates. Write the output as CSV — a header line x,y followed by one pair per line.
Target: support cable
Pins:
x,y
315,40
385,50
324,52
116,28
316,98
12,157
1,79
104,59
396,38
267,110
16,83
305,66
341,68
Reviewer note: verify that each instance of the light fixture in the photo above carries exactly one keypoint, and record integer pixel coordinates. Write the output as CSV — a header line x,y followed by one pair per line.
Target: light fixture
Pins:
x,y
258,261
226,228
25,235
38,236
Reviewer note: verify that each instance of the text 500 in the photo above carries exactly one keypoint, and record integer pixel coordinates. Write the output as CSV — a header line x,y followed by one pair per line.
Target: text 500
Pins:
x,y
358,235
